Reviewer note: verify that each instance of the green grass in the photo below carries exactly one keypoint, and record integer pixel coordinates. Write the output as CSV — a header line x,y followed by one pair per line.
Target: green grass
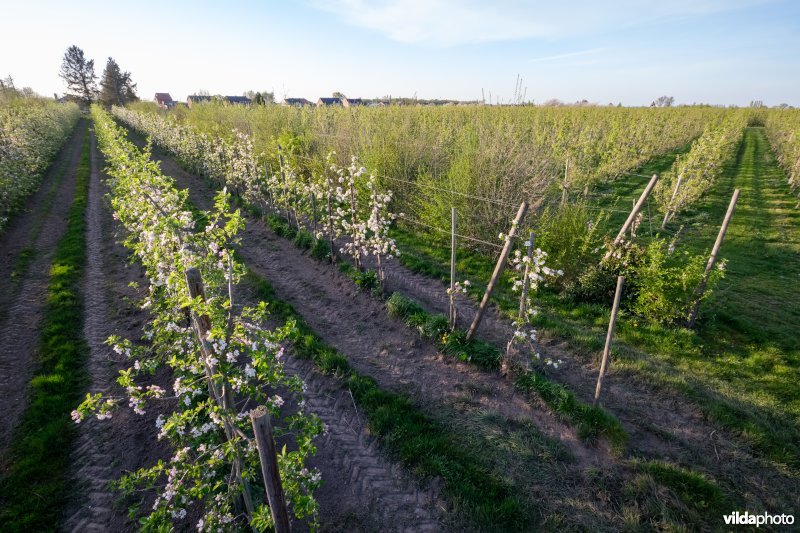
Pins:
x,y
742,365
591,422
36,484
417,441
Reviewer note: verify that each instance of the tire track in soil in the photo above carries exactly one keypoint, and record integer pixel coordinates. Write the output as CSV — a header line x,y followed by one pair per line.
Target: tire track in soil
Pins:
x,y
362,490
20,329
105,450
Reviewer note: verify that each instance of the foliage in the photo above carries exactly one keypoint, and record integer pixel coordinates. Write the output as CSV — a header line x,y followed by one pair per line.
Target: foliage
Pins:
x,y
660,284
443,157
572,235
31,132
702,165
219,374
78,73
116,86
783,131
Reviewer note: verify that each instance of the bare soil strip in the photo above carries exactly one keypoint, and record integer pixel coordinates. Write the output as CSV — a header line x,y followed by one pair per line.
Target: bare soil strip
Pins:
x,y
106,449
19,327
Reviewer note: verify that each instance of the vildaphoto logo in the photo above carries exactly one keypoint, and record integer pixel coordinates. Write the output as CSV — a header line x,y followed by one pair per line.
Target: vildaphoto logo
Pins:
x,y
746,519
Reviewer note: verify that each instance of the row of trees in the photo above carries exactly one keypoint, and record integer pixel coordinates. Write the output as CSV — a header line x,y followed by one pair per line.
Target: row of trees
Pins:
x,y
116,85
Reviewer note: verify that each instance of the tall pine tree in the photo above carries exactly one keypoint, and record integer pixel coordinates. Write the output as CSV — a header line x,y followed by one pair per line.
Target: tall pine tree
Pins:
x,y
116,87
79,75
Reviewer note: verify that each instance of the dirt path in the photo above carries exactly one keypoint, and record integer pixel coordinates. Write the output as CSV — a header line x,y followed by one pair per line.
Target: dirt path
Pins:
x,y
39,230
104,450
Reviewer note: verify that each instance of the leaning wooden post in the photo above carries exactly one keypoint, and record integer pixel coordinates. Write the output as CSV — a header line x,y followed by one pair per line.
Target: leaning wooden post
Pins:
x,y
262,428
635,211
498,269
565,184
671,199
609,339
701,288
223,396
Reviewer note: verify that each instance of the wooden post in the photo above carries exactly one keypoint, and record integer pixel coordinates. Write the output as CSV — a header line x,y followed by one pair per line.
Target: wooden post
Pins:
x,y
671,199
354,222
701,288
262,428
452,267
498,269
283,186
635,211
329,194
609,339
565,184
314,211
223,396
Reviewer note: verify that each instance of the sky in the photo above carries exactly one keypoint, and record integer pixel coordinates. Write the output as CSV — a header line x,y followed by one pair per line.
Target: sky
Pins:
x,y
727,52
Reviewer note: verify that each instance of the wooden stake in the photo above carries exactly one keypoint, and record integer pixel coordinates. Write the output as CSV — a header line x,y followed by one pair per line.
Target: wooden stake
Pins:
x,y
635,210
262,428
452,267
609,339
701,288
498,269
669,205
223,396
314,212
329,194
283,186
565,185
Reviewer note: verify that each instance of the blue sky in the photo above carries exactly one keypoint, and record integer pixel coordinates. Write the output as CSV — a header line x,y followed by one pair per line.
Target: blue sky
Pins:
x,y
711,51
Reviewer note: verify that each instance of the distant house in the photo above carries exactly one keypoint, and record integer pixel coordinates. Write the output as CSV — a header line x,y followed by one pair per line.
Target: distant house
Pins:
x,y
297,102
341,102
329,102
164,100
243,100
197,98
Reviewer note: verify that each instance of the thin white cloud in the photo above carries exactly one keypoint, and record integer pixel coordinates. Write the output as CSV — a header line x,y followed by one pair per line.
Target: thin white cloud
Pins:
x,y
454,22
568,55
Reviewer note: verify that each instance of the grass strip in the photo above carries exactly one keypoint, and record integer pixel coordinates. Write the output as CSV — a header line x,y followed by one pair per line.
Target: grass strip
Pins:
x,y
36,484
418,442
591,422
